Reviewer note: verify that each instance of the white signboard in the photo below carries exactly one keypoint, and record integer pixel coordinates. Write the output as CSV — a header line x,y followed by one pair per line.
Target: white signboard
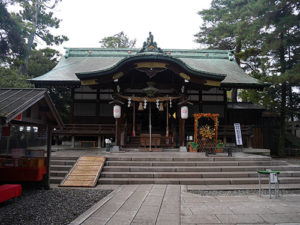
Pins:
x,y
273,178
238,134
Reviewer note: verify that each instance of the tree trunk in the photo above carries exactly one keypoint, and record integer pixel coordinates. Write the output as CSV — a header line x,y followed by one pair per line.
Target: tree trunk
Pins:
x,y
234,93
23,68
281,147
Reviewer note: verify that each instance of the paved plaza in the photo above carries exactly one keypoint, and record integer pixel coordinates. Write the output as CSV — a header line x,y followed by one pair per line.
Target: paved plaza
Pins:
x,y
173,204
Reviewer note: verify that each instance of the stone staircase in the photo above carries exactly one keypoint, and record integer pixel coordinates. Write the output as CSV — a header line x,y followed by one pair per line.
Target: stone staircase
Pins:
x,y
190,169
186,169
59,168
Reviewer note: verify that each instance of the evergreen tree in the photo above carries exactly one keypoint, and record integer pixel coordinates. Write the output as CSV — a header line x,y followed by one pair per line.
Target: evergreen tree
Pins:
x,y
42,61
37,19
119,40
12,44
265,37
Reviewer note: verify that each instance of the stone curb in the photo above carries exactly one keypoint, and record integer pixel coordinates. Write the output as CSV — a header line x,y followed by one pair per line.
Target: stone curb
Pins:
x,y
84,216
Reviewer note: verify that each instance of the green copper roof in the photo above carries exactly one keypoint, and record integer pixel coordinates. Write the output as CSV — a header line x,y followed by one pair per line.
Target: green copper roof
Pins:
x,y
214,63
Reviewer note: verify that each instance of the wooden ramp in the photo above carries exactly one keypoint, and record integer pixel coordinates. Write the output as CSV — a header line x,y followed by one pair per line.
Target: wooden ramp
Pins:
x,y
85,172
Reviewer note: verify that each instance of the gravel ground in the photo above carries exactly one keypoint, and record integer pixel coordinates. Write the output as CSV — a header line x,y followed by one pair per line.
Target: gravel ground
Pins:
x,y
240,192
56,206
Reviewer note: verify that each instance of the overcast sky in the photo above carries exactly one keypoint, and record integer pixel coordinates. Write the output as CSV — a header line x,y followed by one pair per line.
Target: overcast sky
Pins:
x,y
173,23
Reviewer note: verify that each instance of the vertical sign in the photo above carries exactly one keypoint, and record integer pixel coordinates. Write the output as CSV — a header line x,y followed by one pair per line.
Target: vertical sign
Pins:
x,y
238,134
273,178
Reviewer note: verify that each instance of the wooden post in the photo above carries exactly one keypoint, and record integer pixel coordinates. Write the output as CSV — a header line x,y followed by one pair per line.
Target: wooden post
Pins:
x,y
150,128
181,131
56,140
72,106
133,120
73,141
118,133
167,120
99,142
48,141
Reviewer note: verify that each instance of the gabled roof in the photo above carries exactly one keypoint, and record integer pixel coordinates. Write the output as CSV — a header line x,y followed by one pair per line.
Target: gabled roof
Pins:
x,y
15,101
86,62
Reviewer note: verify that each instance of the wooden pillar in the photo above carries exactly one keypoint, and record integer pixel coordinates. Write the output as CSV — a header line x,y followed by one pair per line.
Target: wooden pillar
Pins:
x,y
72,106
133,119
56,140
73,141
200,101
167,120
99,142
225,118
225,108
118,132
98,105
181,131
48,141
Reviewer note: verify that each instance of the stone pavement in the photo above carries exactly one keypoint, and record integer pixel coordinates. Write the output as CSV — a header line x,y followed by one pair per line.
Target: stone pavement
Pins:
x,y
172,205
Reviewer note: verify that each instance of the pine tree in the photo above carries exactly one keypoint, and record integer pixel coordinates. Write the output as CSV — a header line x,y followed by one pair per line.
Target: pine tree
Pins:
x,y
265,35
37,18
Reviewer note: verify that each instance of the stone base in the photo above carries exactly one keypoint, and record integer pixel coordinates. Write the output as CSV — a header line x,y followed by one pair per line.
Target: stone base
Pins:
x,y
115,148
257,151
182,149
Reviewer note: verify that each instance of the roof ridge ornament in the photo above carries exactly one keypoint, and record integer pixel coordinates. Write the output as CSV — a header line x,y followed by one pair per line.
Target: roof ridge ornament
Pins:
x,y
150,45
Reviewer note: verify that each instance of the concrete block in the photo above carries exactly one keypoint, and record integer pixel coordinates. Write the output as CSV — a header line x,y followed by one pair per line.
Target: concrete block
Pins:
x,y
115,148
182,149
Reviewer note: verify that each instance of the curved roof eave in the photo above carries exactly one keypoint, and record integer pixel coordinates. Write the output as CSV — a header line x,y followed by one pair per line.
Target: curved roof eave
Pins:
x,y
150,57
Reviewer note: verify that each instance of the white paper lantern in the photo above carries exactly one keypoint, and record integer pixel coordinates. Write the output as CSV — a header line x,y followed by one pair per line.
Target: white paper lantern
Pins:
x,y
117,111
184,112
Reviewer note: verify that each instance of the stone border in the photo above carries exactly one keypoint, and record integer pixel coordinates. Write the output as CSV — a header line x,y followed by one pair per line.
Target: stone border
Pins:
x,y
80,219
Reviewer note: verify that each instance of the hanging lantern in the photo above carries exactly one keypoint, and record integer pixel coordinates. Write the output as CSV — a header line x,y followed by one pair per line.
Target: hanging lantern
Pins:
x,y
140,107
184,112
170,103
161,107
145,103
117,111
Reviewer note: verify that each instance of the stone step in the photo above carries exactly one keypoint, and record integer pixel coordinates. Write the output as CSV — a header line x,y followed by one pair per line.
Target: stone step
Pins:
x,y
197,169
58,173
56,180
64,158
60,167
199,158
195,181
62,162
190,174
193,163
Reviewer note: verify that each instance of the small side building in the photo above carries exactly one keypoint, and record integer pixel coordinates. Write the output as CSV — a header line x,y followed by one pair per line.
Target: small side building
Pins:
x,y
27,119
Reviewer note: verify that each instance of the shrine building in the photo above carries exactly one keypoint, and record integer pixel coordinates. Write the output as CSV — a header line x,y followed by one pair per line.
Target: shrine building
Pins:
x,y
130,95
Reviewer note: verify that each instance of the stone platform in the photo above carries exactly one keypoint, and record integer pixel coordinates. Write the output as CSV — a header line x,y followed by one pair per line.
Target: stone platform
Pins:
x,y
177,168
173,204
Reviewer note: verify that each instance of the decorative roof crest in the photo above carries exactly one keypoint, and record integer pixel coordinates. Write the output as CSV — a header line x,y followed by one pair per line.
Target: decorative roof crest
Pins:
x,y
150,45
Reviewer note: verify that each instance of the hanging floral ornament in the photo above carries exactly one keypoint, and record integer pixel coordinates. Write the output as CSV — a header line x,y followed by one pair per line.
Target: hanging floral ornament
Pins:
x,y
129,102
170,103
157,103
145,103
